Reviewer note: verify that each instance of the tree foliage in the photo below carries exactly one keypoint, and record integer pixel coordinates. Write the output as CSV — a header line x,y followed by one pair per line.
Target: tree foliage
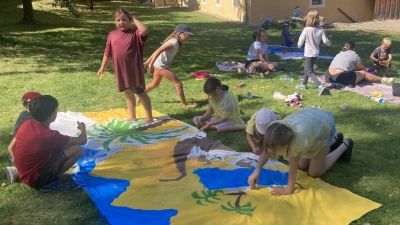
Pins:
x,y
70,4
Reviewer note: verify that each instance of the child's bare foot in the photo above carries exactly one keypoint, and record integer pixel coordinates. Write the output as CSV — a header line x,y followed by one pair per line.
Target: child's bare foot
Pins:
x,y
190,106
130,119
147,121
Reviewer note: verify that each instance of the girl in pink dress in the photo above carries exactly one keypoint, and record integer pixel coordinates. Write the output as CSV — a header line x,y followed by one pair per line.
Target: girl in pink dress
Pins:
x,y
125,47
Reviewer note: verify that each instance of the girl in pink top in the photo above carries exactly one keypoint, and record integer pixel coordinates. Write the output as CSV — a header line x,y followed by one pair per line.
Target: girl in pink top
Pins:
x,y
125,47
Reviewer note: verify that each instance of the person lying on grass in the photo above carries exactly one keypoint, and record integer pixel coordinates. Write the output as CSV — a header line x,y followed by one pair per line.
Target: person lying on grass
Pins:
x,y
347,69
42,155
223,112
308,140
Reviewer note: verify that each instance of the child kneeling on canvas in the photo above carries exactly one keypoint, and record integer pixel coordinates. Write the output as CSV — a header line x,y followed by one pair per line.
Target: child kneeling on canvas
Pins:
x,y
308,140
223,112
40,154
256,127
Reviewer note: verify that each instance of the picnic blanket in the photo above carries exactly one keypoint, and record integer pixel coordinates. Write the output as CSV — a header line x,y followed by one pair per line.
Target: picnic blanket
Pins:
x,y
169,173
292,52
231,66
366,89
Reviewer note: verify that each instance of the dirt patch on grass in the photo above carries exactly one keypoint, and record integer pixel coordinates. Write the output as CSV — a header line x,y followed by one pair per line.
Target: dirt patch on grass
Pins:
x,y
387,26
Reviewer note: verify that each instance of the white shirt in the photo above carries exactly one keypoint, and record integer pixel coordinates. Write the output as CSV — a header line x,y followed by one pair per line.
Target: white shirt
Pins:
x,y
312,37
164,59
257,45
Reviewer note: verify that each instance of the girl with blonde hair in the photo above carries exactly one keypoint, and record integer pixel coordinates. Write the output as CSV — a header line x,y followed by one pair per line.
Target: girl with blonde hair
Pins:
x,y
308,140
311,36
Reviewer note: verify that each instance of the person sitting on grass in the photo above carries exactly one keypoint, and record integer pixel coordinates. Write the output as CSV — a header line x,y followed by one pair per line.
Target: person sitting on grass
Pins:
x,y
42,155
287,39
25,115
256,127
347,69
382,56
306,139
257,56
223,105
11,171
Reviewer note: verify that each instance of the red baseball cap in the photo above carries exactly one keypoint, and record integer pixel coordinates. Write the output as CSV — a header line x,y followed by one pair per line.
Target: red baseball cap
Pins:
x,y
28,96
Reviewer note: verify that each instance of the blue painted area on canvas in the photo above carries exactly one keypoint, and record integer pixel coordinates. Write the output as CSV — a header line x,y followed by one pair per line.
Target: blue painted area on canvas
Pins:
x,y
103,191
215,178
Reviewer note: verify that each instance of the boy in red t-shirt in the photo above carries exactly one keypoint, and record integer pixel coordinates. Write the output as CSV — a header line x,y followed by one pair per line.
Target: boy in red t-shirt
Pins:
x,y
40,154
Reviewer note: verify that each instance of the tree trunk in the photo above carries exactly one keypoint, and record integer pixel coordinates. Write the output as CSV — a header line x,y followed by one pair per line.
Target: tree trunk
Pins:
x,y
91,4
28,11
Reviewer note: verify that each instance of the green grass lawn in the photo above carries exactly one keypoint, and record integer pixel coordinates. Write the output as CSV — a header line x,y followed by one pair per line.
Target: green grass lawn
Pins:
x,y
60,56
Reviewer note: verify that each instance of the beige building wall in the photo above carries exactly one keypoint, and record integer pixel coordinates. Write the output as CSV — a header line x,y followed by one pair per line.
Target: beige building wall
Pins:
x,y
358,10
259,10
225,8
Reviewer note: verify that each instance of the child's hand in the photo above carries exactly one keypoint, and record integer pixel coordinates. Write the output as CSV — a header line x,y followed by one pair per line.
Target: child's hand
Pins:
x,y
147,63
101,71
281,191
256,150
150,69
81,125
204,127
253,179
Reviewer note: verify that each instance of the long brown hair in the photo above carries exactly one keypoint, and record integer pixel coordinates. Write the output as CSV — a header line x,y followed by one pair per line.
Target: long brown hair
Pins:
x,y
277,134
312,19
173,35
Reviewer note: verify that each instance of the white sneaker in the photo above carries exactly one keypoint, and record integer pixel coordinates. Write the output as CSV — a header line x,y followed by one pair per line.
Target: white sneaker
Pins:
x,y
386,80
12,174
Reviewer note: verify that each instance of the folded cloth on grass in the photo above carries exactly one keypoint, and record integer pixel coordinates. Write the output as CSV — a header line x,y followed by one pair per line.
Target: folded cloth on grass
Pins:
x,y
231,66
292,52
169,173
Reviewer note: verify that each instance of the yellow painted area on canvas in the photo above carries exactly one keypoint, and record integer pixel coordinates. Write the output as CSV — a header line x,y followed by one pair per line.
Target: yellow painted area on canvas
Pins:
x,y
105,116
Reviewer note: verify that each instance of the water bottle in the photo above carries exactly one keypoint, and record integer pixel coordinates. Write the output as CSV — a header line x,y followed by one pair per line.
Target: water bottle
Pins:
x,y
380,100
239,70
240,85
287,79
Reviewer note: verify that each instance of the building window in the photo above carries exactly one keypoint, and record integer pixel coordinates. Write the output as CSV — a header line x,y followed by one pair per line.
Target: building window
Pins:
x,y
218,2
203,1
317,4
235,4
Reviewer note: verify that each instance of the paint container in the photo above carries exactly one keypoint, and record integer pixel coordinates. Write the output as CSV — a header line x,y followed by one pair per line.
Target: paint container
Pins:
x,y
380,100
